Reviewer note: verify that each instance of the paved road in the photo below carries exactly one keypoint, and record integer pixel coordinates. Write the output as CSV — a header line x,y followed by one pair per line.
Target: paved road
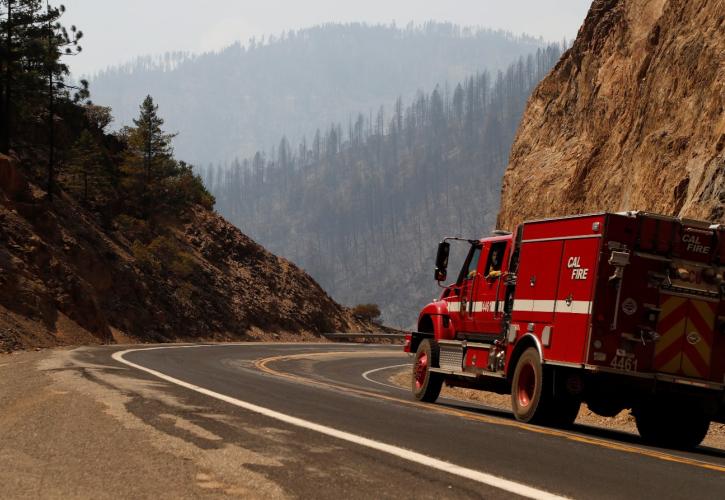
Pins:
x,y
387,445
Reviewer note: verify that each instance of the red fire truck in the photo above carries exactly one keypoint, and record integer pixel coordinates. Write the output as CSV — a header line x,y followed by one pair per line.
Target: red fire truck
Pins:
x,y
616,310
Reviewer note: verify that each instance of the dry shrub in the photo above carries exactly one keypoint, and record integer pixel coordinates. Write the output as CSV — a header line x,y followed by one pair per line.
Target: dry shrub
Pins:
x,y
163,253
367,312
133,229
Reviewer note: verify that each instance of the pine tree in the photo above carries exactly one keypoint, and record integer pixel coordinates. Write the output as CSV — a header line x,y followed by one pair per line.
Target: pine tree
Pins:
x,y
6,57
59,43
86,168
149,156
33,74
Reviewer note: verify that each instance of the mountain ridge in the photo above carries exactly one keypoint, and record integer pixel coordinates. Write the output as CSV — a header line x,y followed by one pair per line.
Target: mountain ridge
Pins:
x,y
236,101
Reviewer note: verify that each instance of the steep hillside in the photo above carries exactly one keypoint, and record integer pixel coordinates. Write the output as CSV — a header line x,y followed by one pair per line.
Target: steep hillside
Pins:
x,y
239,100
66,277
631,118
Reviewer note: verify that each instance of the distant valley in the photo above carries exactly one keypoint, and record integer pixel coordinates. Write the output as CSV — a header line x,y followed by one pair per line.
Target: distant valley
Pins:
x,y
350,149
362,205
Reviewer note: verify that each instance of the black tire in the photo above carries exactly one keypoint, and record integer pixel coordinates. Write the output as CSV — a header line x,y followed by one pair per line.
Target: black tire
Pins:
x,y
528,397
563,409
671,424
533,398
425,384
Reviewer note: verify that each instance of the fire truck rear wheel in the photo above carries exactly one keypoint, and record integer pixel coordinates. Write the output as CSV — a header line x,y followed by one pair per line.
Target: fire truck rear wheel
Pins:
x,y
563,410
529,400
680,425
426,384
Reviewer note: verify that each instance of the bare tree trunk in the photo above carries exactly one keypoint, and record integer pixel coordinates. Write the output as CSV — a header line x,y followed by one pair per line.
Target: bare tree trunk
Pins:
x,y
51,113
147,171
6,123
51,137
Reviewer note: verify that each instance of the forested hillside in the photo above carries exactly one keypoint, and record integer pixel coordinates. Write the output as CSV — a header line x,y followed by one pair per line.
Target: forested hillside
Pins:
x,y
108,237
238,100
362,205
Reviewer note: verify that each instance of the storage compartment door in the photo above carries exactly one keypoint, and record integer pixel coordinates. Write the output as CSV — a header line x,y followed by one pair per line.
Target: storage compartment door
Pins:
x,y
574,299
538,277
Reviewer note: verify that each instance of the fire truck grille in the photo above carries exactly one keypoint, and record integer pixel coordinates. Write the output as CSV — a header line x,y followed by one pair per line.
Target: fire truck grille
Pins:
x,y
451,358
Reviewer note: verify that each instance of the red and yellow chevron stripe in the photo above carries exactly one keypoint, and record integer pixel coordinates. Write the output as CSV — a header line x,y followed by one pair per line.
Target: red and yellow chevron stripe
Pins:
x,y
686,328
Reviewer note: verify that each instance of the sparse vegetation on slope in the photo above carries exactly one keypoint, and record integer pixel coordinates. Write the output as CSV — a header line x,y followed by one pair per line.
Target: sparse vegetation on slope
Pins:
x,y
107,237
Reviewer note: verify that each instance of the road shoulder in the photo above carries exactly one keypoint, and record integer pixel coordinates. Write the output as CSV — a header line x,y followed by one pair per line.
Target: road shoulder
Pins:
x,y
66,432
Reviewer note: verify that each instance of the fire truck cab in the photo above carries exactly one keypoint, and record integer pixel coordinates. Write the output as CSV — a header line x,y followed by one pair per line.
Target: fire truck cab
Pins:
x,y
619,311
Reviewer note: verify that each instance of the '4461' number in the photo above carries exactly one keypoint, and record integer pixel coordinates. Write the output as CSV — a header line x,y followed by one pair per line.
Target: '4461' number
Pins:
x,y
624,363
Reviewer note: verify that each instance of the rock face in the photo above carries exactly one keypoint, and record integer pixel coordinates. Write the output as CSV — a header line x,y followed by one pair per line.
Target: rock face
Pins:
x,y
631,118
67,279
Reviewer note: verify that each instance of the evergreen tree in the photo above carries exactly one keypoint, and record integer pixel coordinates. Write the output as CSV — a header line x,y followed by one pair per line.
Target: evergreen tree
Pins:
x,y
148,157
34,78
86,168
59,43
32,45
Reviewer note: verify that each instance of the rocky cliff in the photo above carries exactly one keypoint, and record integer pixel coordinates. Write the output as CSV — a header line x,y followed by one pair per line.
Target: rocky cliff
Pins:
x,y
68,278
631,118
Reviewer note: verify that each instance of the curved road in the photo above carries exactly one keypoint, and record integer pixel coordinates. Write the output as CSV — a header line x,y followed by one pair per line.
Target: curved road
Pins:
x,y
387,445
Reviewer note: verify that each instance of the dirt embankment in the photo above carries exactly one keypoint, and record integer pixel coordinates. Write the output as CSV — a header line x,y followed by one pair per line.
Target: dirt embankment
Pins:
x,y
68,277
631,118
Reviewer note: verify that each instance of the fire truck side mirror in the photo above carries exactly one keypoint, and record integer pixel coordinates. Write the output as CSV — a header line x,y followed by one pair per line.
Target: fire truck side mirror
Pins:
x,y
441,271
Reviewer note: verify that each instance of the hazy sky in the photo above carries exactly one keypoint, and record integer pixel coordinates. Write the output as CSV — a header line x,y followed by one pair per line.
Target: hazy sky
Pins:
x,y
118,31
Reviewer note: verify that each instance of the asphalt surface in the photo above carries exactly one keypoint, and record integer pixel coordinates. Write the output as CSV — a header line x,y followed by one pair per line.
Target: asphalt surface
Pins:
x,y
344,387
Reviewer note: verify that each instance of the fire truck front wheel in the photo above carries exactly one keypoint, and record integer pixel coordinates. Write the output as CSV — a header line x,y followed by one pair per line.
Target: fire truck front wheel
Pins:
x,y
426,384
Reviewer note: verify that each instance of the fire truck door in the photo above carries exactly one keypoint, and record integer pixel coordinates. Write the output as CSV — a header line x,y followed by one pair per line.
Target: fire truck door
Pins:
x,y
490,290
469,283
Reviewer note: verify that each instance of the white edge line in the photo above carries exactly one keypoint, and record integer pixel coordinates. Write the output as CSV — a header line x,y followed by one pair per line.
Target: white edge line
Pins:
x,y
367,373
411,456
